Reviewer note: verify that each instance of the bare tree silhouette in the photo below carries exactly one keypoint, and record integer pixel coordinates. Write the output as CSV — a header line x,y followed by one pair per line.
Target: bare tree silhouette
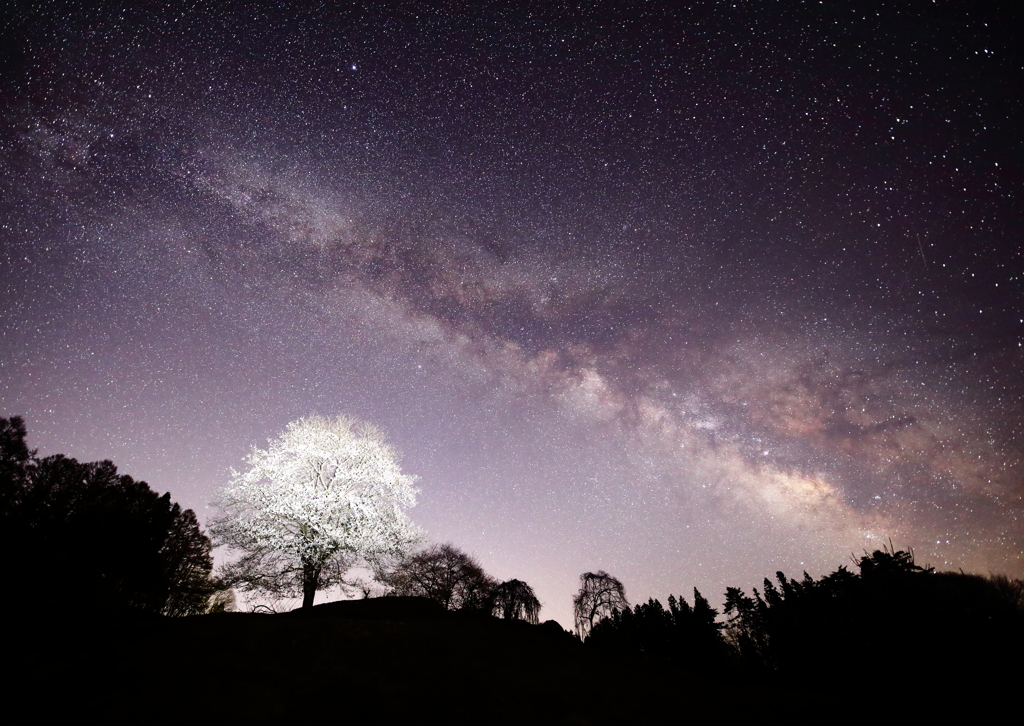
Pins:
x,y
445,574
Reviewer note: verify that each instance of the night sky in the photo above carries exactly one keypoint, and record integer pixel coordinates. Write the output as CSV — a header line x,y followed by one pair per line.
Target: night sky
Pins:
x,y
688,292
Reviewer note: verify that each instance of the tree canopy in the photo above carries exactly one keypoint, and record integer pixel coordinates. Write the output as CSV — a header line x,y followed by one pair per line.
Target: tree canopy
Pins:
x,y
445,574
325,496
108,540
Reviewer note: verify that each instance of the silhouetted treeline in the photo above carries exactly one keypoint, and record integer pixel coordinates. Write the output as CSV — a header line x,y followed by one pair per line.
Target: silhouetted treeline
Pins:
x,y
892,619
681,634
892,616
95,540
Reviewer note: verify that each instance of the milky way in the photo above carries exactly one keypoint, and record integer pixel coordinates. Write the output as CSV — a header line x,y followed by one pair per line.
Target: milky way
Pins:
x,y
686,294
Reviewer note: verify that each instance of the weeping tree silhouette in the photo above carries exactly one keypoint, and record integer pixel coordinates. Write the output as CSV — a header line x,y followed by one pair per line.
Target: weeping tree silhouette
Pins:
x,y
600,597
515,600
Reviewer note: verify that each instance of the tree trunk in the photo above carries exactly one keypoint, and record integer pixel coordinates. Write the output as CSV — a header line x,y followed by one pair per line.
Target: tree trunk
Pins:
x,y
310,584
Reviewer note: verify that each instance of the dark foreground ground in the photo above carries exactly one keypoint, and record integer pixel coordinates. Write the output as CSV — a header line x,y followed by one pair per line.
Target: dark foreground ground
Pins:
x,y
361,662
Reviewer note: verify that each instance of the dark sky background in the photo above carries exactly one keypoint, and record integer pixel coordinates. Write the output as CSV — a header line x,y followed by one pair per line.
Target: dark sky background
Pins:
x,y
689,292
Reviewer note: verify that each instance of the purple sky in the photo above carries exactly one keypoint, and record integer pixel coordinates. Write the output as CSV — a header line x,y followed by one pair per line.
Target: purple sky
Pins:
x,y
687,295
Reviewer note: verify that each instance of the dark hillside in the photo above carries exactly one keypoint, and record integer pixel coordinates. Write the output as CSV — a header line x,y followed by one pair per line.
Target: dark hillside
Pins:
x,y
380,661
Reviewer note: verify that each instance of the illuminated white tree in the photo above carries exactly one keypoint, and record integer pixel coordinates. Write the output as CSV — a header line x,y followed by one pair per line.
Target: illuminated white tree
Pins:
x,y
325,496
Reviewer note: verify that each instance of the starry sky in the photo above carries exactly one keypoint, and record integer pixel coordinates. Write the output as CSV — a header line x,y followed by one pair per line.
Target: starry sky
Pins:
x,y
688,292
